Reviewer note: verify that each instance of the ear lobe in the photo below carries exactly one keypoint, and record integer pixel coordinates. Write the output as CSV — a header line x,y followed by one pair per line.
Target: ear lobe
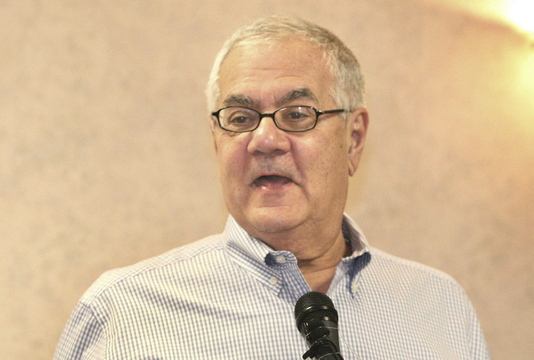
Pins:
x,y
357,126
212,127
215,143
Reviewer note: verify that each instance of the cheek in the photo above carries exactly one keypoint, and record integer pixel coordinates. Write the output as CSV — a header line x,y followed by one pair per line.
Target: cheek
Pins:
x,y
230,159
334,169
329,157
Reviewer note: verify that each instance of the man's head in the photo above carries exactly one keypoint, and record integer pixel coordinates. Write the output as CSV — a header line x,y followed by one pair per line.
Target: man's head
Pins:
x,y
349,87
283,187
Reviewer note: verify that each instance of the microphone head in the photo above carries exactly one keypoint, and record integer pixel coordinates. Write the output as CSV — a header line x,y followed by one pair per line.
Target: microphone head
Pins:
x,y
314,305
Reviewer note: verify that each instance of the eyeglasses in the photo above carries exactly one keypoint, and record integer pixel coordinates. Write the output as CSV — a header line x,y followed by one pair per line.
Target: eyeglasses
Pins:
x,y
290,118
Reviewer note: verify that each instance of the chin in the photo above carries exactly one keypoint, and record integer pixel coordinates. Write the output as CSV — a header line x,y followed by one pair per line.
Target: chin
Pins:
x,y
273,221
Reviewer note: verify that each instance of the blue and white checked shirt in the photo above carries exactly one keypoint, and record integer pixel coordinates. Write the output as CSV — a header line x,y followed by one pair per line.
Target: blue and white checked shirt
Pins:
x,y
230,296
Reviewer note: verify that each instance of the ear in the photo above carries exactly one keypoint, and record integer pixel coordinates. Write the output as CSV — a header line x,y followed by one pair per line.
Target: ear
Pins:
x,y
213,135
215,145
357,125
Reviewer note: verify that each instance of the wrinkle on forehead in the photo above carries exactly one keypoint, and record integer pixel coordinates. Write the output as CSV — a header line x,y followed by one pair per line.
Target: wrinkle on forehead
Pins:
x,y
275,76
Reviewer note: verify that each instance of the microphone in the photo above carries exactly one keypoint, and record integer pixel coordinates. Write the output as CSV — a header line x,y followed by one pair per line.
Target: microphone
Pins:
x,y
316,320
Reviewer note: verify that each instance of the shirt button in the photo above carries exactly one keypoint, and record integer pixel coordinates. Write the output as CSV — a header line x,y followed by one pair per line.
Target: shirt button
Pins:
x,y
273,281
354,287
281,259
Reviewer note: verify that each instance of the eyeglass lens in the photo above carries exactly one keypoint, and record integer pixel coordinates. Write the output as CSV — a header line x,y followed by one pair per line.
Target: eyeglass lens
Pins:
x,y
291,118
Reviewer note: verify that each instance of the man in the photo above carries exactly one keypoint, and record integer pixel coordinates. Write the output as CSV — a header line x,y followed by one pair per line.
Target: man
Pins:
x,y
289,128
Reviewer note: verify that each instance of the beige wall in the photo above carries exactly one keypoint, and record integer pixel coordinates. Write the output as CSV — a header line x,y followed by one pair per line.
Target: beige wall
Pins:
x,y
106,158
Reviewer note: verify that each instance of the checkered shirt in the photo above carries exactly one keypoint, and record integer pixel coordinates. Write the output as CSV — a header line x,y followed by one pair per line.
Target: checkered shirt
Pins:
x,y
230,296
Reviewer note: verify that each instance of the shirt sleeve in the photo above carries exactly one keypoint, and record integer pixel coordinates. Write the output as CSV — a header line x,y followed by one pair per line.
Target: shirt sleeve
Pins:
x,y
479,347
83,337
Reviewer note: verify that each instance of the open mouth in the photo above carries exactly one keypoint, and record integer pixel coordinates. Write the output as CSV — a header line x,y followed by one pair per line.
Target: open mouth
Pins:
x,y
271,180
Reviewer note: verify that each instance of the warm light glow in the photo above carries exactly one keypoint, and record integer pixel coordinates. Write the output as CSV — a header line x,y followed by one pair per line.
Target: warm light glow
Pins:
x,y
521,13
526,112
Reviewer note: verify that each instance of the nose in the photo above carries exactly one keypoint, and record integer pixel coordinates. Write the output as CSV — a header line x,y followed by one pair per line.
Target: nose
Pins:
x,y
268,138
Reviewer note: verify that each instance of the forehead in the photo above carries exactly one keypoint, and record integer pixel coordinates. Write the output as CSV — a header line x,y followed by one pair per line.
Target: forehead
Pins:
x,y
264,75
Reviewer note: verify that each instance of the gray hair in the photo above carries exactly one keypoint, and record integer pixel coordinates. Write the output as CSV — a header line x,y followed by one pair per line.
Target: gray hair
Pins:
x,y
349,88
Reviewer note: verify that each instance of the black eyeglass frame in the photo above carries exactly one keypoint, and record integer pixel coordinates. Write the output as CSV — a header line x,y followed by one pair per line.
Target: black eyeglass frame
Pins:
x,y
272,116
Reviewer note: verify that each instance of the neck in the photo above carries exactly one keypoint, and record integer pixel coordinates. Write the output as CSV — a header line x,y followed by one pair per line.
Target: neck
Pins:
x,y
320,271
318,250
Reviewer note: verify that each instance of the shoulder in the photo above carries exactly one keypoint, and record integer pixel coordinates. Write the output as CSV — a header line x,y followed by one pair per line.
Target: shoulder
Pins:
x,y
398,272
397,263
112,304
172,261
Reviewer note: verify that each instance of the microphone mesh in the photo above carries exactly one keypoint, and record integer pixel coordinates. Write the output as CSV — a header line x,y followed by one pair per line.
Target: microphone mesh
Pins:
x,y
314,305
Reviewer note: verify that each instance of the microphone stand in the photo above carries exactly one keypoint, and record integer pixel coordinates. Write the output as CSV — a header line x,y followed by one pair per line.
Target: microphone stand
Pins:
x,y
321,346
323,349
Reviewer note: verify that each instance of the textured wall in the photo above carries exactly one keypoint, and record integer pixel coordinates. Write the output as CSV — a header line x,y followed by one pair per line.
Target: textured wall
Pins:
x,y
106,156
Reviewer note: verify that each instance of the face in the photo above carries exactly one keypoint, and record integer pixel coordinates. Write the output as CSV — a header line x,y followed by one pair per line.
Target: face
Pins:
x,y
283,186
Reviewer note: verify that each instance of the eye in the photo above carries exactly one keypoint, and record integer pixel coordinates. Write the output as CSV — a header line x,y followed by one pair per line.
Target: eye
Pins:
x,y
239,118
296,114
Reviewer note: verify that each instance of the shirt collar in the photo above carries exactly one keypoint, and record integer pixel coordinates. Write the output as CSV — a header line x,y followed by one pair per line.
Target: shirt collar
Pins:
x,y
241,244
249,253
254,252
354,235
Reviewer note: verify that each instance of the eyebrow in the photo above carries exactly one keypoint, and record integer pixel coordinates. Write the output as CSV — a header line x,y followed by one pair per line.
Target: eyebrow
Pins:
x,y
238,100
296,94
243,100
